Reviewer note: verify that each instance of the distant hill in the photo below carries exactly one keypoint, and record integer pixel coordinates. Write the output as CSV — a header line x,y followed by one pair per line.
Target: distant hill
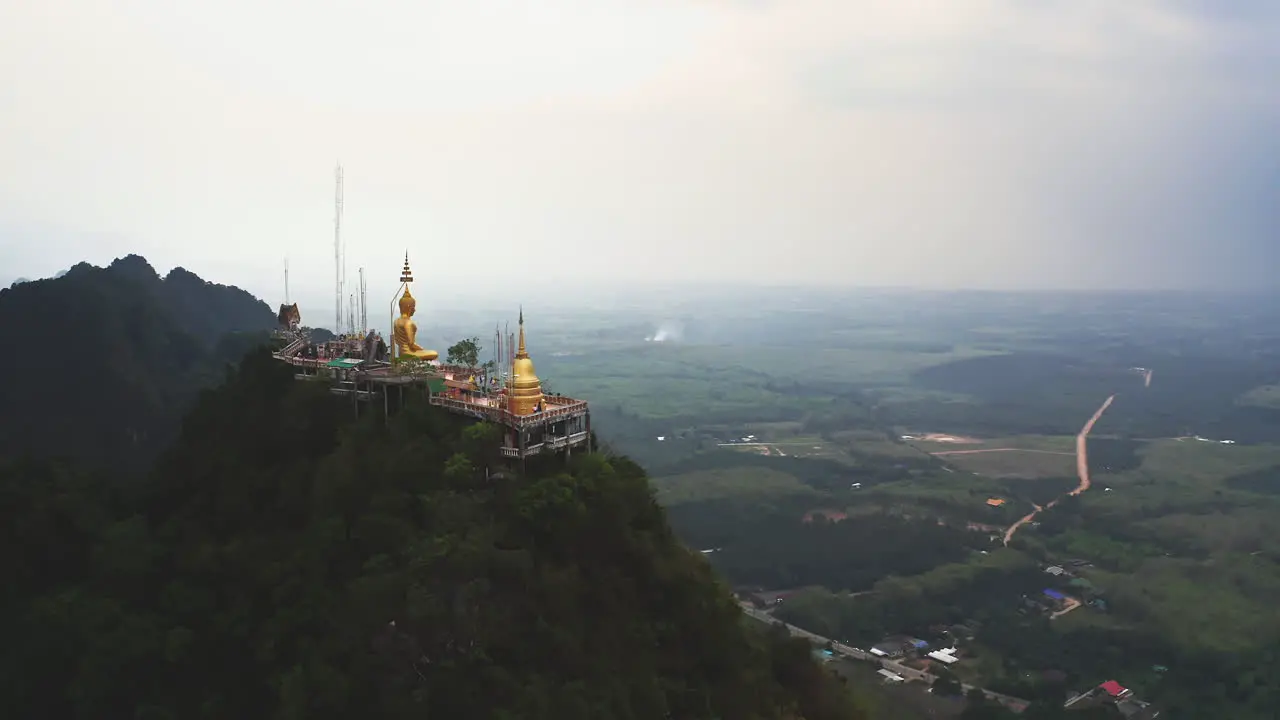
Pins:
x,y
105,360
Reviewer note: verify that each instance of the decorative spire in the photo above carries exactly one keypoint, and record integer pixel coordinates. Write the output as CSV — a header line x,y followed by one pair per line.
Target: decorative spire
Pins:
x,y
406,275
520,351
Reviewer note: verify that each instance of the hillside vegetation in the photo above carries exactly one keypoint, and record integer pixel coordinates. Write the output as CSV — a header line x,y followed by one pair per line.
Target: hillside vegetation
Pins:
x,y
284,561
109,358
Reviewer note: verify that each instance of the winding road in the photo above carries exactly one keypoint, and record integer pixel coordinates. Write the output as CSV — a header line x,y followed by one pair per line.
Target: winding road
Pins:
x,y
1082,469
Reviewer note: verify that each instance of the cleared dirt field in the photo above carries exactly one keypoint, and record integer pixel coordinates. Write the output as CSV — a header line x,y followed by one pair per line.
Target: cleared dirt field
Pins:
x,y
1029,456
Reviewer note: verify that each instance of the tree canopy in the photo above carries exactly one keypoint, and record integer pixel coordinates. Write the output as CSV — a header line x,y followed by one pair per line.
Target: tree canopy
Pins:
x,y
284,561
465,352
112,357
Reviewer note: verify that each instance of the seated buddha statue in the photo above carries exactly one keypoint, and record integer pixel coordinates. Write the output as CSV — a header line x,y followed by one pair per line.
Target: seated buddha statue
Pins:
x,y
405,330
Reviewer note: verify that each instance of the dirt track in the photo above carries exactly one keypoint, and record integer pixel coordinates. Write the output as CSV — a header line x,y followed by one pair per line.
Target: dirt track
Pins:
x,y
1082,469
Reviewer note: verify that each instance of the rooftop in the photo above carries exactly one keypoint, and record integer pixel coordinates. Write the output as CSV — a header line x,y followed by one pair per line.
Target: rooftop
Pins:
x,y
1114,689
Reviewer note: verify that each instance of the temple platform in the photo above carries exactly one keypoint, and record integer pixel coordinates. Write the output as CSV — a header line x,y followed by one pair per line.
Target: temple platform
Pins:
x,y
562,424
359,365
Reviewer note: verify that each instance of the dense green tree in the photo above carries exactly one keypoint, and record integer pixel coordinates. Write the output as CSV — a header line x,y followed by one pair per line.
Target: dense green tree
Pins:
x,y
283,561
465,352
946,684
112,358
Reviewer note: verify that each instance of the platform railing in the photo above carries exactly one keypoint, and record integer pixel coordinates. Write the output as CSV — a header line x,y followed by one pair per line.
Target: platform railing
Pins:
x,y
514,452
566,440
505,417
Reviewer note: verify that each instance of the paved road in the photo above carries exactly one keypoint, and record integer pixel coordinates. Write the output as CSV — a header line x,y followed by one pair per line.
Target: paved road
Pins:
x,y
856,654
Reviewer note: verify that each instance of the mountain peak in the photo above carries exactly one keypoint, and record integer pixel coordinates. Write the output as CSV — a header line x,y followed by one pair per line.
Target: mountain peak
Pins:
x,y
134,266
182,274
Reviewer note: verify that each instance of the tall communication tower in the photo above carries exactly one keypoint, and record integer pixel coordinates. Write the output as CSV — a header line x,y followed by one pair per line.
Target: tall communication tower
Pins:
x,y
339,253
364,304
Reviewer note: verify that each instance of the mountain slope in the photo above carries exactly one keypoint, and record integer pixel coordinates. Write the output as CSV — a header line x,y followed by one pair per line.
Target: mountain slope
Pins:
x,y
282,562
106,359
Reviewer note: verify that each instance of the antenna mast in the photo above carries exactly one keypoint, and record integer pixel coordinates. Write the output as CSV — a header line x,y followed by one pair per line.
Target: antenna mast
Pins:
x,y
286,281
339,255
364,304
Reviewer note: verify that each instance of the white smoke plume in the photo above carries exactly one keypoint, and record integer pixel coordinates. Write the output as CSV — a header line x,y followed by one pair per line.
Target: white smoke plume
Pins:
x,y
668,331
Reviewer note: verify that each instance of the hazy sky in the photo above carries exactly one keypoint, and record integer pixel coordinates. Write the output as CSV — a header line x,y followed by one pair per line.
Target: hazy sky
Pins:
x,y
943,143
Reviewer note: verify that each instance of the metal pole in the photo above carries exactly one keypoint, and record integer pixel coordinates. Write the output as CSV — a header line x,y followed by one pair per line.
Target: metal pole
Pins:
x,y
394,350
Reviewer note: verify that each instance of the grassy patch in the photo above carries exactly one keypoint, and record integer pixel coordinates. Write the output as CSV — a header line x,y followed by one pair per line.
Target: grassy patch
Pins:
x,y
1030,456
1114,455
796,447
659,380
1051,443
1194,462
783,430
871,442
1264,482
1264,396
753,482
1086,618
1040,491
1014,463
1242,530
1104,550
1223,604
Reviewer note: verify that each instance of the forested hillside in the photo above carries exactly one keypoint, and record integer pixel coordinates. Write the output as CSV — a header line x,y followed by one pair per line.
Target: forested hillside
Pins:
x,y
284,561
106,360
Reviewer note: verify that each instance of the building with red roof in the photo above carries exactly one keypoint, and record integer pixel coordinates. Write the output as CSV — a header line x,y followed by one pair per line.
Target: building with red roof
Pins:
x,y
1115,689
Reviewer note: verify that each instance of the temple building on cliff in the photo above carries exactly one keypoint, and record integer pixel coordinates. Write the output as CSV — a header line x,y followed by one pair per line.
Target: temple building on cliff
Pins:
x,y
506,392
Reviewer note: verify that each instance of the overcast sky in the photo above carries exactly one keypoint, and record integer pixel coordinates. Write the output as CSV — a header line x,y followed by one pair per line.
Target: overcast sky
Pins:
x,y
940,143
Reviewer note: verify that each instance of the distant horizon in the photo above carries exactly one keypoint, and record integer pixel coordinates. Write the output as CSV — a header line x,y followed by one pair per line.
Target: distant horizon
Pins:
x,y
626,291
600,294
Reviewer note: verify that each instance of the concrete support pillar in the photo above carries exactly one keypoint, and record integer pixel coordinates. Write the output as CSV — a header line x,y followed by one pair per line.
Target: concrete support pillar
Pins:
x,y
521,435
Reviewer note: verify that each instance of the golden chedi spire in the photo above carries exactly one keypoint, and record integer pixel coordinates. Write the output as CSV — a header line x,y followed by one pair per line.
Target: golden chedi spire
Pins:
x,y
526,389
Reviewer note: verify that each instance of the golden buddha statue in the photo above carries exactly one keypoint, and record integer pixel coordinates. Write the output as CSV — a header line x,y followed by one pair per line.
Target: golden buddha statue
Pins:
x,y
404,329
525,395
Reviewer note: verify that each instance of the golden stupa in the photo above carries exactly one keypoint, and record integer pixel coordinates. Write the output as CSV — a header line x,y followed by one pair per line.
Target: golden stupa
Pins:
x,y
404,330
526,389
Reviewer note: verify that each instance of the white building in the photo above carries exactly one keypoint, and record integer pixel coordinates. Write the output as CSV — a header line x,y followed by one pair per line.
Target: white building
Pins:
x,y
891,676
946,657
